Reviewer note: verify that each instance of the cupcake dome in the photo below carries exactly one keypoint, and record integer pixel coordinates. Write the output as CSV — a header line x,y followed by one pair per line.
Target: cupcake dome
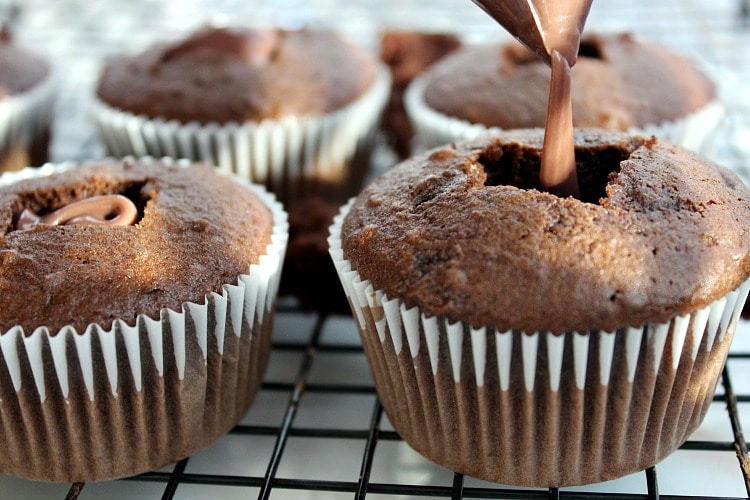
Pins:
x,y
619,82
27,94
290,109
499,318
125,348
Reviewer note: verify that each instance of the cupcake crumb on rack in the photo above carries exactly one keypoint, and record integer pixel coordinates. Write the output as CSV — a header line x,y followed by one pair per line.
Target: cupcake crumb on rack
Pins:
x,y
308,273
408,53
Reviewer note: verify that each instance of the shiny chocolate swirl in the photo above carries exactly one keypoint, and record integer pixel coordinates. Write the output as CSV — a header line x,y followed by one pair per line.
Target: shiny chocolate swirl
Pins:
x,y
106,210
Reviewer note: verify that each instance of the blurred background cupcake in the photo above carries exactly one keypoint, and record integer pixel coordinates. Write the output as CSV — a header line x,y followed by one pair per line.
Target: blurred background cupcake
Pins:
x,y
408,53
139,301
27,98
527,339
295,110
619,82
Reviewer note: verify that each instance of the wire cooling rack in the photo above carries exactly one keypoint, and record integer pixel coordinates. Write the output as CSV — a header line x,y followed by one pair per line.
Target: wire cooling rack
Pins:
x,y
316,429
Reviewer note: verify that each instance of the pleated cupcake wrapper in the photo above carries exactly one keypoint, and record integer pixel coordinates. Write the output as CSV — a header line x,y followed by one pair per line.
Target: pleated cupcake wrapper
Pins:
x,y
432,128
106,403
539,409
293,156
26,116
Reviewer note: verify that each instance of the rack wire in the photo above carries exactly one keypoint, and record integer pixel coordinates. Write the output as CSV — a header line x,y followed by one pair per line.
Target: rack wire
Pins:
x,y
377,431
316,429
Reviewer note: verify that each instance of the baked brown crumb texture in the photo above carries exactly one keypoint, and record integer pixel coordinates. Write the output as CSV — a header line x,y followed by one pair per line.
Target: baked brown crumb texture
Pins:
x,y
189,242
408,54
613,81
223,75
658,232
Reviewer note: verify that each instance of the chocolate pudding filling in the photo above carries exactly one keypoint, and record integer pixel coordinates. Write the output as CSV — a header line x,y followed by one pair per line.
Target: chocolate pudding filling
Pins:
x,y
123,206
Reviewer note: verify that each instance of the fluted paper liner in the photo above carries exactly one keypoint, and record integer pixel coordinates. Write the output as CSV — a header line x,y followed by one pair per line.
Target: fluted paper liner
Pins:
x,y
293,156
25,118
433,128
538,409
101,404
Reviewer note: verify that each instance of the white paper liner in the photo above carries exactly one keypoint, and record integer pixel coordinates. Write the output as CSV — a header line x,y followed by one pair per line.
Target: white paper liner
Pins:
x,y
432,128
110,403
538,409
26,117
292,156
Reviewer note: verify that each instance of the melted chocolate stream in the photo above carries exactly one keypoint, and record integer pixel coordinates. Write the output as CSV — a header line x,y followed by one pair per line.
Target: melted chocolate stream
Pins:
x,y
558,172
552,30
109,210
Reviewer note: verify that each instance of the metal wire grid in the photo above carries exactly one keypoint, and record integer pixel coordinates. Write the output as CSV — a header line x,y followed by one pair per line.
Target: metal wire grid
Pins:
x,y
269,483
375,433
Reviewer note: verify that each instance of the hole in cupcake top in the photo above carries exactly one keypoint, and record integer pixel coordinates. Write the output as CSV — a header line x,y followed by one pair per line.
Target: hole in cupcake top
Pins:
x,y
591,49
517,55
513,164
78,207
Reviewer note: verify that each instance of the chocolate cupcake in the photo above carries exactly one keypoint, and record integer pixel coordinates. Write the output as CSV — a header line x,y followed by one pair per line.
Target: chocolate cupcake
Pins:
x,y
294,110
408,54
27,96
528,339
135,339
619,82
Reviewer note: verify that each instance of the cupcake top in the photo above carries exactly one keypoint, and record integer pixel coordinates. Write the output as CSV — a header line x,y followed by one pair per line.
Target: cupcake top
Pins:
x,y
20,68
223,75
194,230
618,83
464,232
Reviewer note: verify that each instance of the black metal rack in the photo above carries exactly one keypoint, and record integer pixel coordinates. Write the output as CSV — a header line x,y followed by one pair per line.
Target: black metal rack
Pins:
x,y
376,431
260,447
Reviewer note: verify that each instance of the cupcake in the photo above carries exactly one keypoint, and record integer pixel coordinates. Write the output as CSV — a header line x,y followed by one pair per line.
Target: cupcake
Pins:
x,y
296,111
138,306
27,96
408,54
619,83
527,339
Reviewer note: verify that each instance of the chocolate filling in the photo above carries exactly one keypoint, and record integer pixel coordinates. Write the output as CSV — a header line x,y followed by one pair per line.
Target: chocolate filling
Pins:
x,y
46,202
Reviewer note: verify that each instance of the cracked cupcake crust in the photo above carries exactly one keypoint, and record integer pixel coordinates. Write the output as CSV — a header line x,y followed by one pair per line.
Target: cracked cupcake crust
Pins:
x,y
465,232
234,75
504,85
197,231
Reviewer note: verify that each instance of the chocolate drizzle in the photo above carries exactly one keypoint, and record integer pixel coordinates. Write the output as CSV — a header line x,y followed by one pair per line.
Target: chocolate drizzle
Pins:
x,y
109,210
552,30
558,171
